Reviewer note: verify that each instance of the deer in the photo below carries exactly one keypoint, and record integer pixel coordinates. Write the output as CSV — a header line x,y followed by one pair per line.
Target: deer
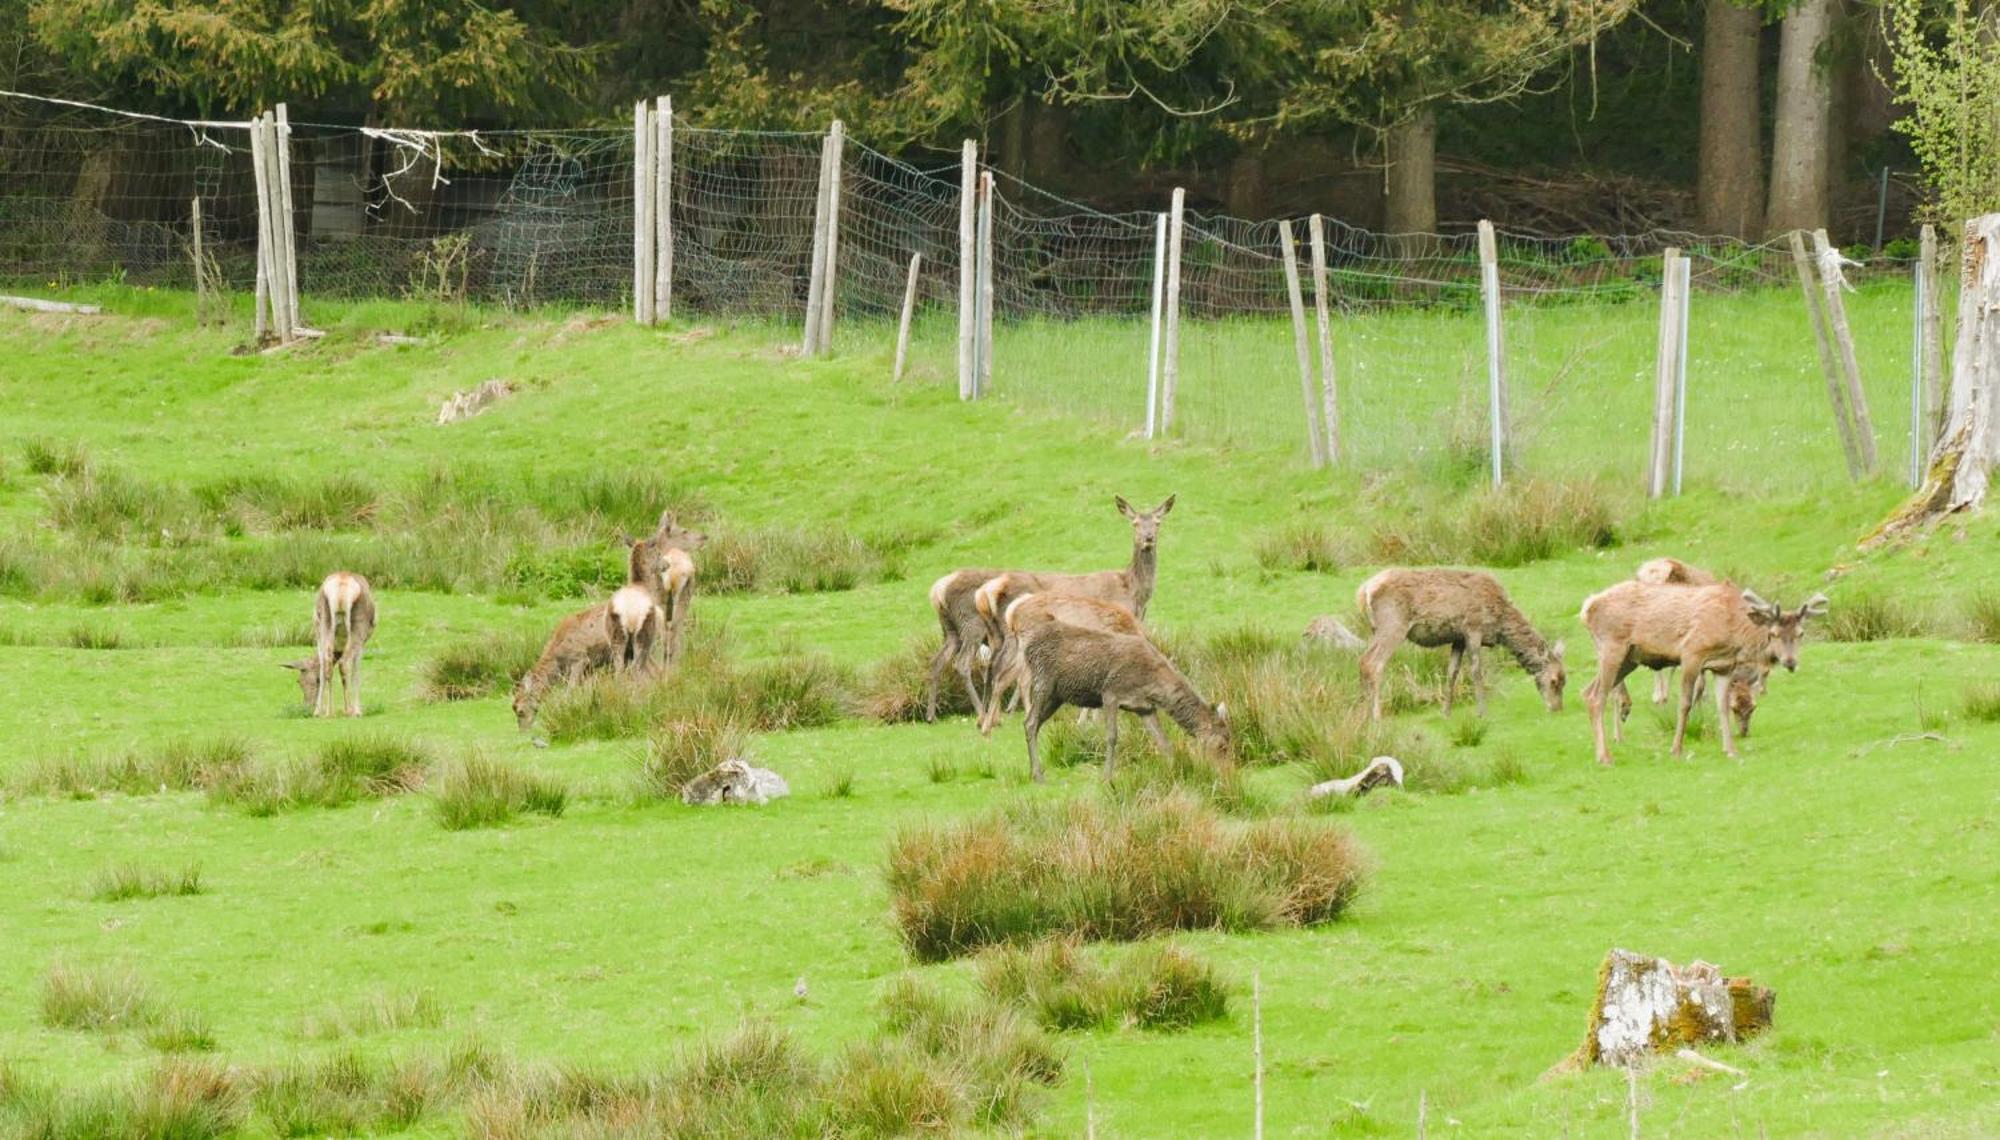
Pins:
x,y
1463,609
1719,628
632,624
1746,685
343,620
586,641
966,632
1032,611
1088,668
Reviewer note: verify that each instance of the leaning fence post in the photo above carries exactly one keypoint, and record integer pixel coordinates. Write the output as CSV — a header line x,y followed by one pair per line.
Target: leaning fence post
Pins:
x,y
983,380
968,190
1917,448
836,139
263,290
1496,367
909,307
1684,304
1933,336
1314,444
816,279
1329,402
1153,346
1663,374
642,214
1170,370
663,208
1830,282
288,247
201,305
1817,314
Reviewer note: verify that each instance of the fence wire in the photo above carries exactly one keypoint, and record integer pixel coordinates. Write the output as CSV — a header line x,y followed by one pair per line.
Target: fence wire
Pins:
x,y
530,218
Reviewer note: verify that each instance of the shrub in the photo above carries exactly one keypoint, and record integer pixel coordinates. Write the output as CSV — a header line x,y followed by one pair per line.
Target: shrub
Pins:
x,y
478,791
1153,987
686,747
1982,702
1116,871
485,667
384,1011
132,881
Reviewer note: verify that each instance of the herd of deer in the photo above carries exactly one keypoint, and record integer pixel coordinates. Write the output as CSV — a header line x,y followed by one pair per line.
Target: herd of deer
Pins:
x,y
1079,639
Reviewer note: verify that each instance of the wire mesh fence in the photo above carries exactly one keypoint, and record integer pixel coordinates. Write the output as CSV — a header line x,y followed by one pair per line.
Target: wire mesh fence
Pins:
x,y
531,218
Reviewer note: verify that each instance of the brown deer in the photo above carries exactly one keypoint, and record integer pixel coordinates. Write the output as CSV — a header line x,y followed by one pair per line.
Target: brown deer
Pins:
x,y
1033,611
343,620
1745,685
632,623
965,631
585,642
1463,609
1068,665
1701,629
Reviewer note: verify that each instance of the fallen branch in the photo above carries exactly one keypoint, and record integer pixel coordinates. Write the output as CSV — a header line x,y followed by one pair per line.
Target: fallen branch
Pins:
x,y
36,304
1693,1057
1380,772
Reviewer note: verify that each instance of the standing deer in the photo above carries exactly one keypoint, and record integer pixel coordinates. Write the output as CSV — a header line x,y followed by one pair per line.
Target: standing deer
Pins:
x,y
632,623
965,631
343,619
1068,665
1464,609
1702,629
1033,611
1745,685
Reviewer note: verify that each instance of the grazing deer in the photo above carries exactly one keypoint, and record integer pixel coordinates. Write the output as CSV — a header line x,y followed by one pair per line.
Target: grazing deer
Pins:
x,y
1745,685
1464,609
343,619
587,641
1033,611
1069,665
1702,629
965,631
632,623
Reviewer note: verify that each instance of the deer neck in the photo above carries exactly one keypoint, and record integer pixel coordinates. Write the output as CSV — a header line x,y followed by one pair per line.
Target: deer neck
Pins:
x,y
1140,575
1520,639
1188,710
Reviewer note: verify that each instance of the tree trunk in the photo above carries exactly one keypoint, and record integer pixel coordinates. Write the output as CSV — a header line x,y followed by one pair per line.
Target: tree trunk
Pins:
x,y
1244,194
1800,134
1048,140
1731,191
1410,183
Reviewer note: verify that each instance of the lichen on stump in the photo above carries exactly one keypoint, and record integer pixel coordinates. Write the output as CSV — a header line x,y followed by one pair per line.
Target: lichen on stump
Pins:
x,y
1648,1005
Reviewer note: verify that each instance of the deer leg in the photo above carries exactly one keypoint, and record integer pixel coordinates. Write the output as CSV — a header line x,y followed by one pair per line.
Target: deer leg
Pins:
x,y
1039,707
1611,669
1478,670
1110,734
947,651
1624,697
968,658
1690,676
1451,675
350,676
1660,679
1722,714
1152,722
1388,635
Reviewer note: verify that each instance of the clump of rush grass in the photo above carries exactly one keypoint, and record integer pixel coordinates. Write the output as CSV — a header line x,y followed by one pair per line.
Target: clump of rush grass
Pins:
x,y
340,772
96,1000
1982,616
109,506
383,1011
1305,546
1157,986
796,690
182,1099
483,667
1982,702
175,766
65,458
276,635
345,1094
96,637
1000,1060
478,791
794,560
1112,871
892,691
685,747
839,782
1874,615
180,1031
1525,521
123,881
1144,773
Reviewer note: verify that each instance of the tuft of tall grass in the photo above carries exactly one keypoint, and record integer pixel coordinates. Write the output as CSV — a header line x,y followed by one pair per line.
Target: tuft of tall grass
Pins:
x,y
487,666
177,765
277,635
1157,986
96,1000
341,1095
97,637
180,1031
1870,615
109,506
1305,546
1982,616
123,881
793,691
384,1011
893,690
793,560
478,791
1117,871
1982,701
181,1100
339,773
1002,1061
685,747
1527,520
56,457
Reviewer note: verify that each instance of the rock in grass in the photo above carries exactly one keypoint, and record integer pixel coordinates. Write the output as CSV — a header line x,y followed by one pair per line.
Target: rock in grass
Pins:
x,y
1649,1005
734,782
469,403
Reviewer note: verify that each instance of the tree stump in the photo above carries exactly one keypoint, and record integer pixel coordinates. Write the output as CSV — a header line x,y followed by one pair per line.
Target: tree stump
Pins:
x,y
1648,1005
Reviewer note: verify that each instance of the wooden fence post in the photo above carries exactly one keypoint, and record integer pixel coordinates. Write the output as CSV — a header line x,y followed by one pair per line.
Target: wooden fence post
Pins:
x,y
1153,346
1663,374
909,307
663,208
816,279
200,265
264,323
1843,342
1802,262
1315,446
288,242
983,381
968,281
829,290
1933,334
642,213
1496,366
1170,367
1685,303
1920,282
1329,401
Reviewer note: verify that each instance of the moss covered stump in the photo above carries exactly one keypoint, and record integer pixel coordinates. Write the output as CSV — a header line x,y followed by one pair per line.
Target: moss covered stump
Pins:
x,y
1649,1005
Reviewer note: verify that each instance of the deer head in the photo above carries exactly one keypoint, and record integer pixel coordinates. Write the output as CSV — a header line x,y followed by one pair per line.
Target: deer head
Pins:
x,y
1551,678
525,701
309,677
1784,629
1145,524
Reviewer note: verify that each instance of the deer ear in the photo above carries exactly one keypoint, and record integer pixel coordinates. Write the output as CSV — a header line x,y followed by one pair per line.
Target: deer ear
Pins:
x,y
294,666
1163,508
1124,508
666,521
1556,651
1222,711
626,538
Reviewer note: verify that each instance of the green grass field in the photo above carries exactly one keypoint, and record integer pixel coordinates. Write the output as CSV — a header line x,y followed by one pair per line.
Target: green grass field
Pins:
x,y
1848,860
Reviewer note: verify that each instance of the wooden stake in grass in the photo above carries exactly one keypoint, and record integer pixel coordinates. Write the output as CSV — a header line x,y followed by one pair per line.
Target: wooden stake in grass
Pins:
x,y
1329,403
200,266
1496,364
1170,367
983,378
1933,334
968,192
1632,1099
816,275
1153,346
836,139
1315,446
909,308
1816,312
1663,373
642,214
288,238
663,208
1831,283
1423,1113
